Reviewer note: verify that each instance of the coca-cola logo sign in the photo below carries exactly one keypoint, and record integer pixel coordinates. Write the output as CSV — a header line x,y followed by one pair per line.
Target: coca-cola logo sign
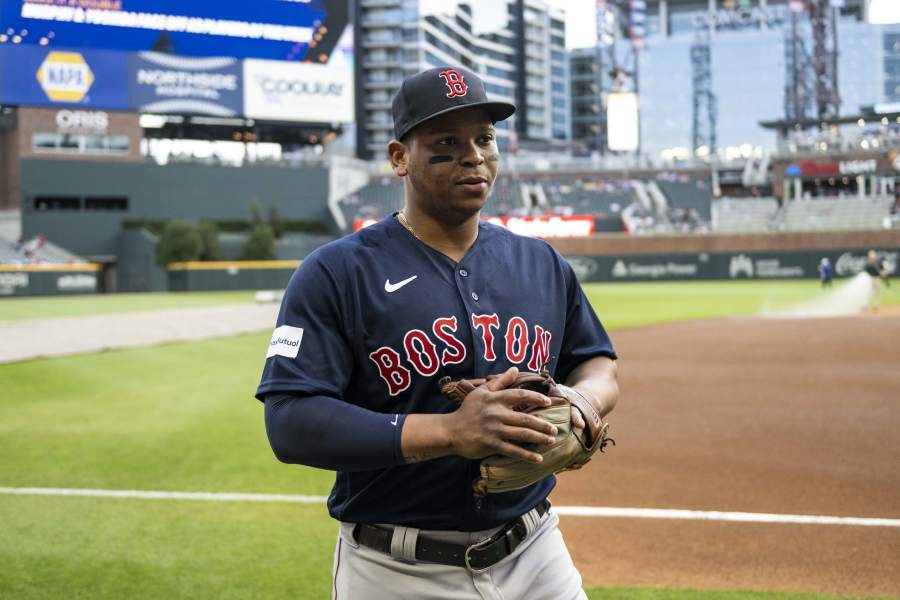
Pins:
x,y
849,263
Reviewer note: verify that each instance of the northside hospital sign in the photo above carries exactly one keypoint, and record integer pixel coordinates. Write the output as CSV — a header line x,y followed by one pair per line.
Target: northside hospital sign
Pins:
x,y
216,62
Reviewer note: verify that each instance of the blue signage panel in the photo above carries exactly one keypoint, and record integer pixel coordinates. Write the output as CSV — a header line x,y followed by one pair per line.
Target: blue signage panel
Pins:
x,y
272,29
38,76
162,83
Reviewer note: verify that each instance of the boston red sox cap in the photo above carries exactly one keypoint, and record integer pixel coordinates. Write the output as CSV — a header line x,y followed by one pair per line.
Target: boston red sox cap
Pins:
x,y
438,91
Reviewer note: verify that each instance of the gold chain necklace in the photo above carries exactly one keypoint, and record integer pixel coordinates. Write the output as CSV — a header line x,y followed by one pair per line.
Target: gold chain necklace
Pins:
x,y
401,216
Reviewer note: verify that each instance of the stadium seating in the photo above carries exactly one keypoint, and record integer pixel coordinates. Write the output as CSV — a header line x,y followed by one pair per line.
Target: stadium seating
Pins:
x,y
374,201
688,193
736,215
35,251
836,213
668,203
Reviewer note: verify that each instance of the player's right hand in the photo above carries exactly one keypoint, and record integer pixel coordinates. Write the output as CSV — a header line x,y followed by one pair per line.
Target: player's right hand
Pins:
x,y
486,423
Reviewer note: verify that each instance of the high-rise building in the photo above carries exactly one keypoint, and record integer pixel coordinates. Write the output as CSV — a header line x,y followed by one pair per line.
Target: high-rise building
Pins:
x,y
588,121
748,68
516,46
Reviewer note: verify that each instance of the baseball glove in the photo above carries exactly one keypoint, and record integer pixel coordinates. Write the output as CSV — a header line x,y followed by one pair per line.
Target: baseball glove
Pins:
x,y
569,451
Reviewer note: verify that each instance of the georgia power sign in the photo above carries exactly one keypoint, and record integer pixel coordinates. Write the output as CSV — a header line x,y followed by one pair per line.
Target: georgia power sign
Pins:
x,y
65,76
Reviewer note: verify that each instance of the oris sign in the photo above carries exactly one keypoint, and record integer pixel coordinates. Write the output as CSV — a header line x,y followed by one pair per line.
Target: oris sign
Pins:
x,y
302,92
82,120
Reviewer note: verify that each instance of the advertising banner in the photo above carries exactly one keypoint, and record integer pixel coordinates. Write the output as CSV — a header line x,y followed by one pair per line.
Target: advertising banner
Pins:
x,y
801,264
539,226
548,225
163,83
48,280
36,76
273,29
302,92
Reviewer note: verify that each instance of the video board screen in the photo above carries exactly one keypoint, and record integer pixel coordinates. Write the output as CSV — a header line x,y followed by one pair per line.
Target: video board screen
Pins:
x,y
266,29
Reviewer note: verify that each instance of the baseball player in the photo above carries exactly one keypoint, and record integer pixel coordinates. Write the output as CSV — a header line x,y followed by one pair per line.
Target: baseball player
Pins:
x,y
372,322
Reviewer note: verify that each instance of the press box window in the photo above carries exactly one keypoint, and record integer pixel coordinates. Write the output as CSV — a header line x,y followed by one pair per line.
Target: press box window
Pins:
x,y
105,203
78,143
57,203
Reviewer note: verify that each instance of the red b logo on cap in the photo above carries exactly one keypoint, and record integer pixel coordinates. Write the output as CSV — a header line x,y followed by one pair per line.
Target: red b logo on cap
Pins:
x,y
454,81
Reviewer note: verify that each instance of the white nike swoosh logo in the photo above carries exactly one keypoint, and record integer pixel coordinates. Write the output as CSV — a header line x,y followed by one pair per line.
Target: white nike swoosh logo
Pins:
x,y
394,422
393,287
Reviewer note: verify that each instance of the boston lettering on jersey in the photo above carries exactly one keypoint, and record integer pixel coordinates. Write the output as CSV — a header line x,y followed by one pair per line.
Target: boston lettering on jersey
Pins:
x,y
422,353
383,317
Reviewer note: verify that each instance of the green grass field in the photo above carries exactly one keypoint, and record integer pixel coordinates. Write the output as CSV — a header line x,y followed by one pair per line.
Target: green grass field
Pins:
x,y
182,417
619,304
46,307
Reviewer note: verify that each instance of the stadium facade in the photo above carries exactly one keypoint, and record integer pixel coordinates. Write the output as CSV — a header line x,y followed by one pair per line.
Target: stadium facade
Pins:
x,y
588,80
748,70
518,48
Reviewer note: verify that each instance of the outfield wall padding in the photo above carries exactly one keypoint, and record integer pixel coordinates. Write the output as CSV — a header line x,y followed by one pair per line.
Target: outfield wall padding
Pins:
x,y
48,280
626,244
722,265
237,275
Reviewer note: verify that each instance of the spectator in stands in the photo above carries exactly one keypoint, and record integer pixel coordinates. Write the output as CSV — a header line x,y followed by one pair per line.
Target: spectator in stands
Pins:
x,y
826,272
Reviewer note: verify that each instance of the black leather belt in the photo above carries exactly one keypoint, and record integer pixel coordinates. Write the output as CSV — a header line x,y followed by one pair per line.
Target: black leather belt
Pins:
x,y
477,557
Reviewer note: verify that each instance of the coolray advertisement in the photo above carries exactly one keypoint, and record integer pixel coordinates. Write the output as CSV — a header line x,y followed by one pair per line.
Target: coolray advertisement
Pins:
x,y
302,92
37,76
270,29
161,83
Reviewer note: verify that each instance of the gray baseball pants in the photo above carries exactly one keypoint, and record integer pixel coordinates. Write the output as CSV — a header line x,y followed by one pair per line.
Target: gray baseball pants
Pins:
x,y
539,569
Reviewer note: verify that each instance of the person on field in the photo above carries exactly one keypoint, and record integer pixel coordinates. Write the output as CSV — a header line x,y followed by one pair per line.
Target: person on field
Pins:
x,y
878,274
826,272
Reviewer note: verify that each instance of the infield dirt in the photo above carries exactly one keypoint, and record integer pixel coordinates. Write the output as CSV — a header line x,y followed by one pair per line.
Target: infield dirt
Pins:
x,y
756,415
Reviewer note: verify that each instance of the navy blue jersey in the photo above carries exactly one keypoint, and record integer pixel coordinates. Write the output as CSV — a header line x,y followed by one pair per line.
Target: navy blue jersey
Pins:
x,y
378,317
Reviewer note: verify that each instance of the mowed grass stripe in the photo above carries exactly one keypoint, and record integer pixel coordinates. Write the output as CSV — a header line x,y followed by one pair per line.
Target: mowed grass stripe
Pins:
x,y
618,304
49,307
91,548
177,417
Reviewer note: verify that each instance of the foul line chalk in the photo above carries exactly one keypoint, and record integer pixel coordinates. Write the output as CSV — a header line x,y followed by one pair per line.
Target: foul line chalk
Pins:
x,y
711,515
149,495
566,511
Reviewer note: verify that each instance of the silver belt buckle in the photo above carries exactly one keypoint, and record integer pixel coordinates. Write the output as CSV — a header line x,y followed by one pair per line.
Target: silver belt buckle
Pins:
x,y
476,546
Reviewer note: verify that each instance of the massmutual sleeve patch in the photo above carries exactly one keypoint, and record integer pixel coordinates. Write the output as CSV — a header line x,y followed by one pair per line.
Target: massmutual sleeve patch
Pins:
x,y
285,342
